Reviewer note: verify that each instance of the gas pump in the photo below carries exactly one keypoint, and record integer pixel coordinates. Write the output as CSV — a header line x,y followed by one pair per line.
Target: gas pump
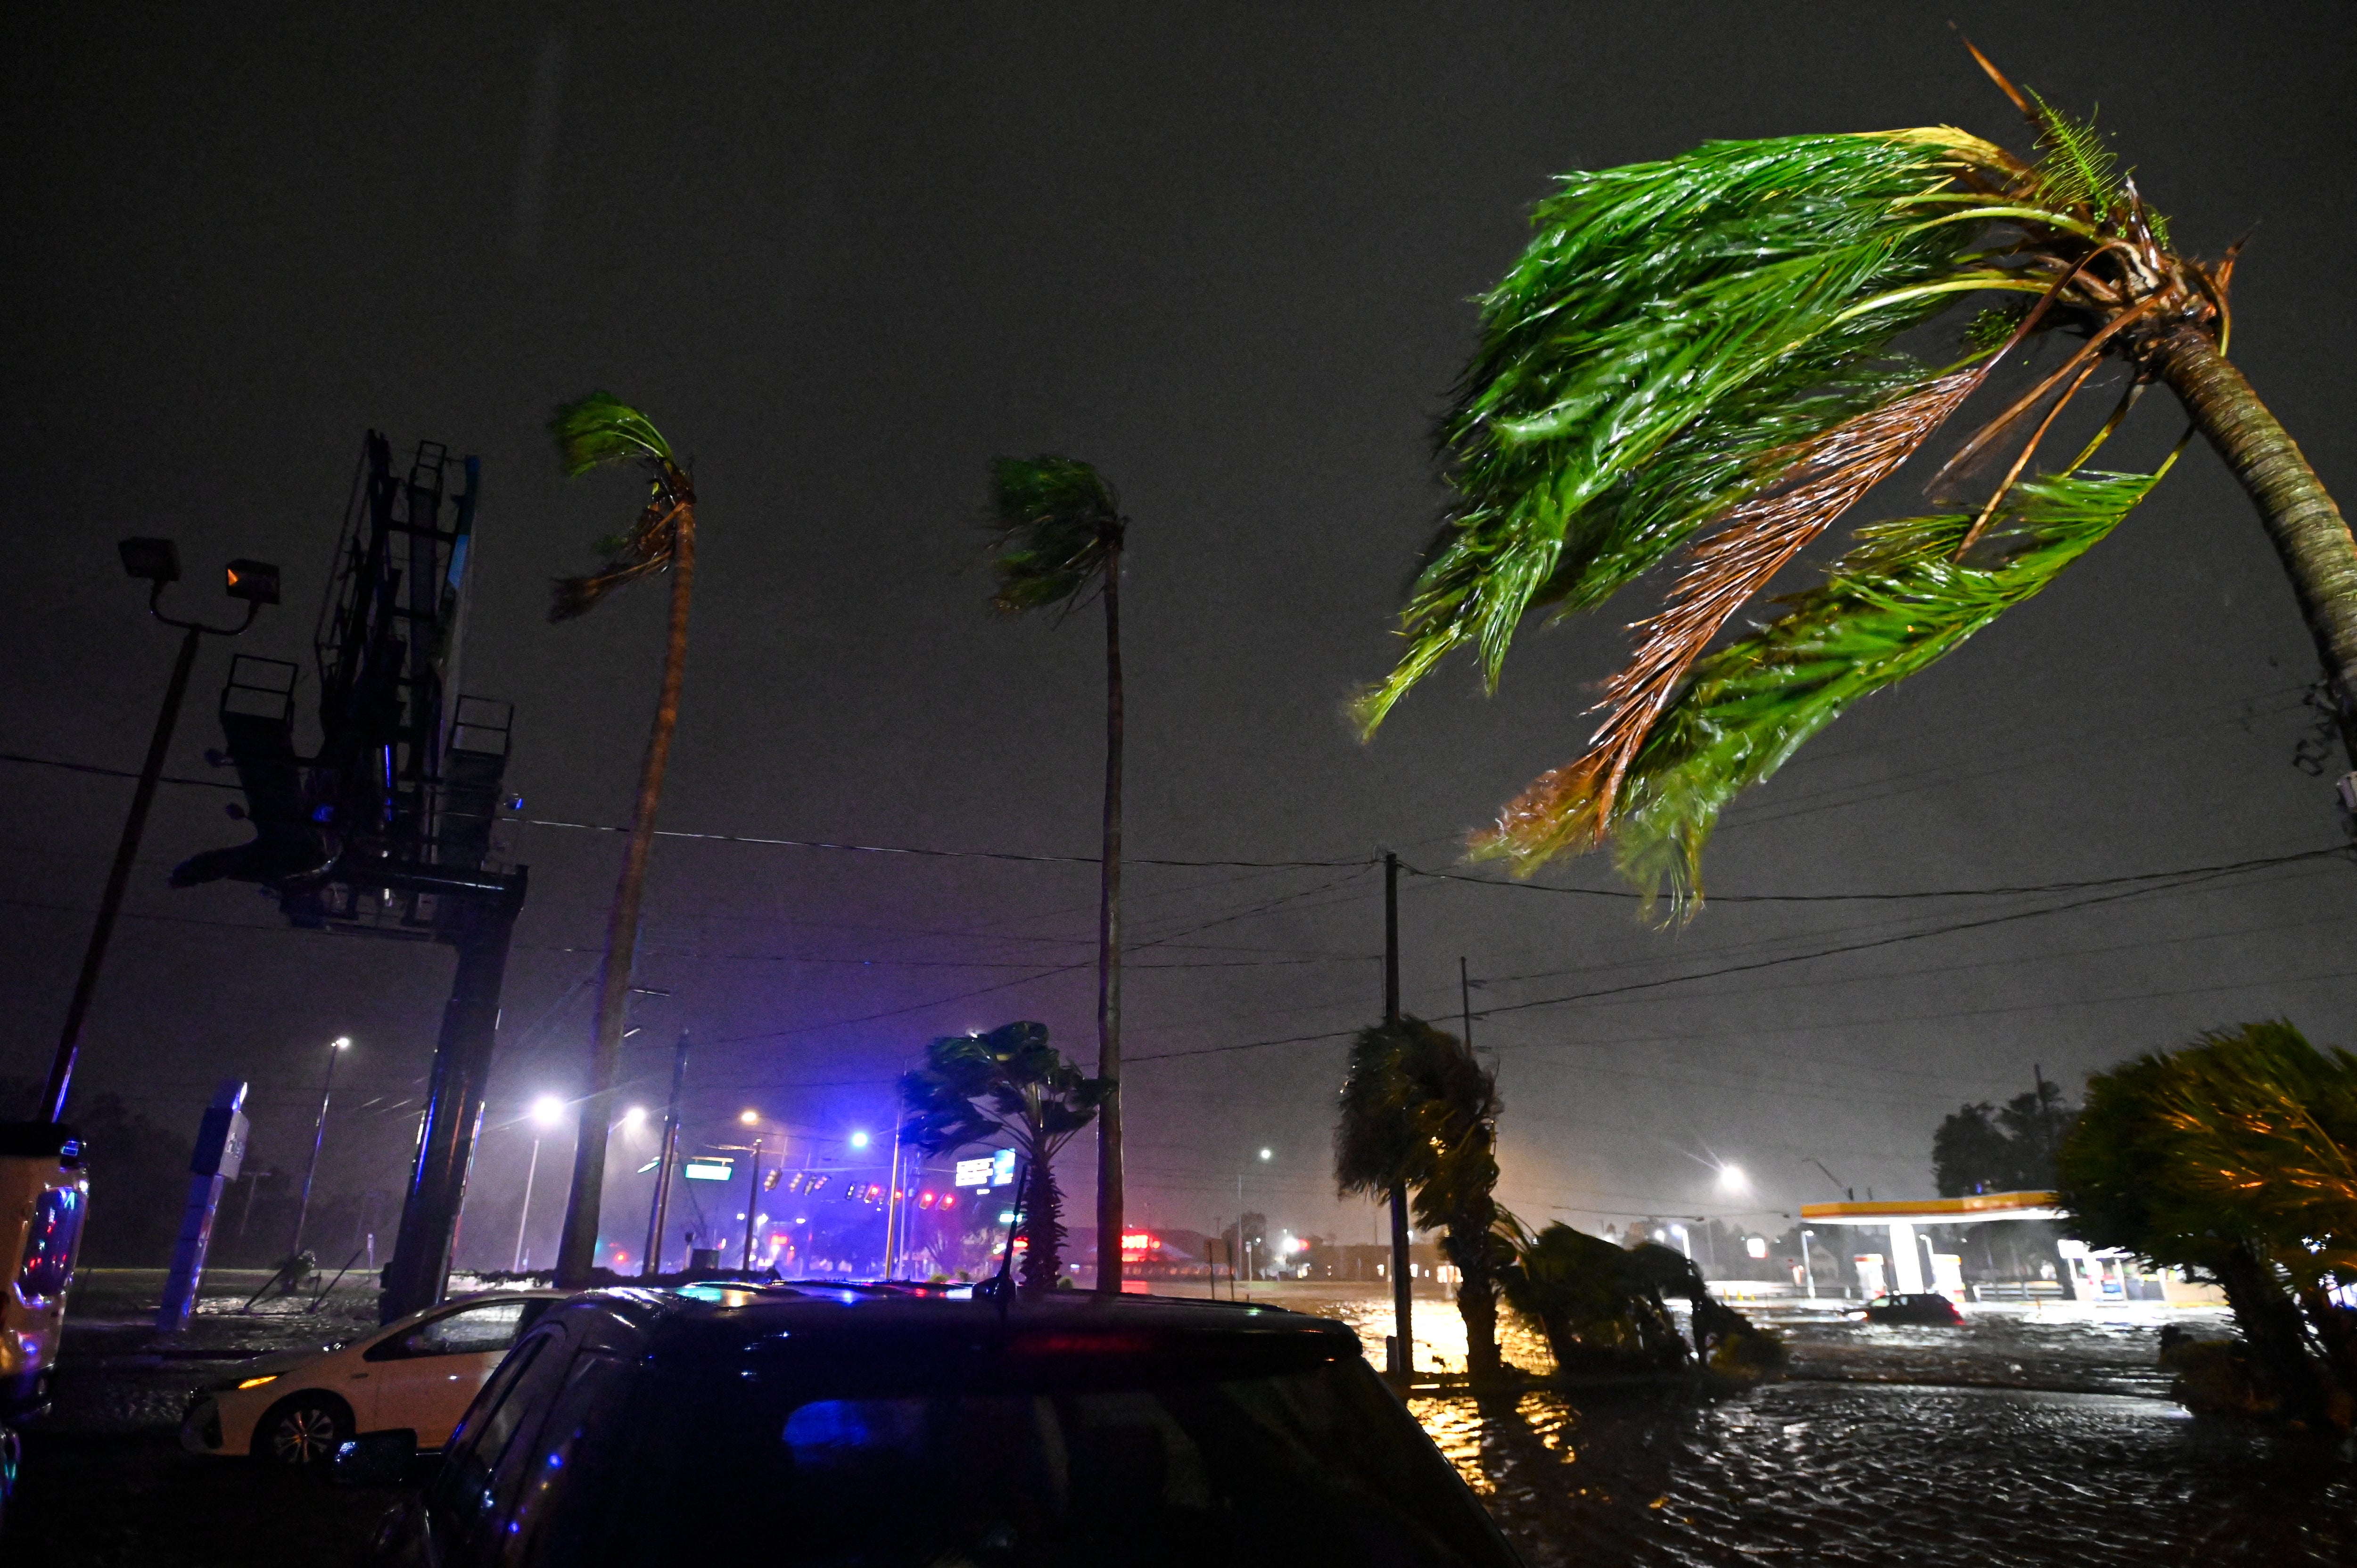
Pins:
x,y
44,1194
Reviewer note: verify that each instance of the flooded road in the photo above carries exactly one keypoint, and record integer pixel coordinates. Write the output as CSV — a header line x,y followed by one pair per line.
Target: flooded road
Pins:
x,y
2016,1439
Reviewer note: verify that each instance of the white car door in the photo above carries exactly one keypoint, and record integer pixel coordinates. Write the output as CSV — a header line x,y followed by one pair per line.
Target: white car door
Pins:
x,y
425,1379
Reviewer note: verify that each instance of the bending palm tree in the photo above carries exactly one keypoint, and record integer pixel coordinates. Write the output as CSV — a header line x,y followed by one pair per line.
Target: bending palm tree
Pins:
x,y
1060,530
1703,348
591,434
1008,1083
1419,1111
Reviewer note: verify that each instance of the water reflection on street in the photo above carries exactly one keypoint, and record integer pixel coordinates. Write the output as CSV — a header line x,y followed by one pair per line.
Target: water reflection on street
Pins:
x,y
2013,1439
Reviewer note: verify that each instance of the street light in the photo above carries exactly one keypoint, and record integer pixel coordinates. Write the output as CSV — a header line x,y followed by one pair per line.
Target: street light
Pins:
x,y
156,562
546,1112
750,1118
859,1140
336,1048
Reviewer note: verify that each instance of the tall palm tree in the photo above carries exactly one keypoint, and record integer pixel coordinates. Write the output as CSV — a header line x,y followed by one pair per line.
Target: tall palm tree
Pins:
x,y
1009,1083
1419,1113
1059,530
593,433
1702,350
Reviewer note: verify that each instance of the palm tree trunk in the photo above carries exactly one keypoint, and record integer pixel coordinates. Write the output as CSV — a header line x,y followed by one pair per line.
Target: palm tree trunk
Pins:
x,y
2300,518
576,1251
2269,1323
1110,1219
1043,1226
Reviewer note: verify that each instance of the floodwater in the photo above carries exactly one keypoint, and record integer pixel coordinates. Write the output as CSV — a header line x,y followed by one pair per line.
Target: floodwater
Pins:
x,y
2020,1438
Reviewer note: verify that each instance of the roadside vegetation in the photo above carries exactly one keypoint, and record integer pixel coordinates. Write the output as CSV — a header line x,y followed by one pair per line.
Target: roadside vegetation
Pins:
x,y
2236,1157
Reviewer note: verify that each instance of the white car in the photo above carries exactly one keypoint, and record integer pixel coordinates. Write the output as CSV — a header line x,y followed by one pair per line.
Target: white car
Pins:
x,y
417,1375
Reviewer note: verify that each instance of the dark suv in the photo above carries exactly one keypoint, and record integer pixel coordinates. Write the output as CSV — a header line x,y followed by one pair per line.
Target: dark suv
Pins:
x,y
817,1425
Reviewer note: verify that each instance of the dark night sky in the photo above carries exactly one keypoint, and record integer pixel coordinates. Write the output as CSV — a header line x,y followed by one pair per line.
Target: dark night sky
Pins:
x,y
844,256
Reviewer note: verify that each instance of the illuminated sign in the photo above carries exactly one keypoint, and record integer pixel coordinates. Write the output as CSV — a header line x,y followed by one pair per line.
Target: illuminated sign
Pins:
x,y
973,1173
709,1168
1137,1246
1002,1168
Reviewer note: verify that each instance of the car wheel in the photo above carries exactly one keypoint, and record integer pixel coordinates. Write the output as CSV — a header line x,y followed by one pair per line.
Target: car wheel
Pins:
x,y
303,1432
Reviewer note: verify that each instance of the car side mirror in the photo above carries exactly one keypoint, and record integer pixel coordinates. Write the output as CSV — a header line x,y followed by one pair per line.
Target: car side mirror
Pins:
x,y
375,1459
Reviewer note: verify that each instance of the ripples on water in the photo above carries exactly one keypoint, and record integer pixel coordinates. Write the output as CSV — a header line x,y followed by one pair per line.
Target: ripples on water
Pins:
x,y
2012,1441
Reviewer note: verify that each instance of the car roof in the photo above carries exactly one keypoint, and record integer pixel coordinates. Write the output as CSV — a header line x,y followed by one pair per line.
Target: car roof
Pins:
x,y
722,1312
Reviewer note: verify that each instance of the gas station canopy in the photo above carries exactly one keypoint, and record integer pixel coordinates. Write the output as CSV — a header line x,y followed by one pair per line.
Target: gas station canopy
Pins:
x,y
1965,1210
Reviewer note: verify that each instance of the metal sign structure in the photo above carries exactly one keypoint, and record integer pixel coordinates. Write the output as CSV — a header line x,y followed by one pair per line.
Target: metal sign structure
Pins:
x,y
396,825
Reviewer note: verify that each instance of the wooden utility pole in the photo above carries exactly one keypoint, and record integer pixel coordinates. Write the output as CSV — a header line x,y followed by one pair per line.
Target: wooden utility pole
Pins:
x,y
1402,1362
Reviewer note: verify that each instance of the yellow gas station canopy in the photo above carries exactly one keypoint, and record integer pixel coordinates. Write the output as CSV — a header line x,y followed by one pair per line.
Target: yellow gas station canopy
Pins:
x,y
1965,1210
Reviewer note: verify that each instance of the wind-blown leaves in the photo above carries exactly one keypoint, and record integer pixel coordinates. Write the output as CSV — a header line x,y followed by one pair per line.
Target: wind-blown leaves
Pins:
x,y
1673,333
1057,521
1895,604
599,431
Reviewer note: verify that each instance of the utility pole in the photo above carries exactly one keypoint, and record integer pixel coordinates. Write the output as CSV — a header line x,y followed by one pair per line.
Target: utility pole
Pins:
x,y
666,1151
157,561
1465,999
752,1203
892,1208
1401,1362
319,1136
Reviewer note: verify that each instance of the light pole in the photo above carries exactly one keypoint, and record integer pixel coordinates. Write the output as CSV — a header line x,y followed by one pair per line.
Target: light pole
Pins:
x,y
666,1151
1243,1248
156,561
752,1190
546,1112
341,1044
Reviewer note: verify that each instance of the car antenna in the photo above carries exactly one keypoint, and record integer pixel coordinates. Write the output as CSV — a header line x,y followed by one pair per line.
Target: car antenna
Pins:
x,y
1004,1287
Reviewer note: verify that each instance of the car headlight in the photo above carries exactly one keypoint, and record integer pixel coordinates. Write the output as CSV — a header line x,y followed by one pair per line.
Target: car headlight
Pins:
x,y
257,1382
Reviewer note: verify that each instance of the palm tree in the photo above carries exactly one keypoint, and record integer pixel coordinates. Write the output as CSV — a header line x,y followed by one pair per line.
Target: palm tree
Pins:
x,y
1009,1083
1059,530
2236,1156
1702,351
1419,1112
593,433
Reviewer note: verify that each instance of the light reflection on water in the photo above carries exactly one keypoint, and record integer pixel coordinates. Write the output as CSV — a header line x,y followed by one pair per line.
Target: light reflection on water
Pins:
x,y
2011,1441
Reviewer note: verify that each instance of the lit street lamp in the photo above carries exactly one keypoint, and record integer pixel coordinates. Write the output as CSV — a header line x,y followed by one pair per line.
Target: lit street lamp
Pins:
x,y
341,1044
157,562
546,1112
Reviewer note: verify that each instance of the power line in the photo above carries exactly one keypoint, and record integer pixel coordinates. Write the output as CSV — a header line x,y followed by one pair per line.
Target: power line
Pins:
x,y
2016,891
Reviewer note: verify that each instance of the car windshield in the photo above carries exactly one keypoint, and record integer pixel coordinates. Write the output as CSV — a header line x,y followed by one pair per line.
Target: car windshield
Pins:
x,y
1315,1464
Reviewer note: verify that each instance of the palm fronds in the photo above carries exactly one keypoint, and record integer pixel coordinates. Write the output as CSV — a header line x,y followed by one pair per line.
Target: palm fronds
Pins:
x,y
1674,335
1702,352
1056,521
1897,603
596,431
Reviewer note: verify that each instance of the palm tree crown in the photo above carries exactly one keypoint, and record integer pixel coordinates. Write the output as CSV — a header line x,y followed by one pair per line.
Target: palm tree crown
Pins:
x,y
1057,524
598,432
1704,351
1008,1083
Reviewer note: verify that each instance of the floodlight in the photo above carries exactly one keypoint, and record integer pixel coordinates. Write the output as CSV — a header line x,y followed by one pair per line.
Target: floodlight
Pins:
x,y
548,1111
256,582
156,561
634,1115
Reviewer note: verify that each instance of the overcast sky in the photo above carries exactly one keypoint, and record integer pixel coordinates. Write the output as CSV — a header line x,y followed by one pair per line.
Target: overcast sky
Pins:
x,y
846,256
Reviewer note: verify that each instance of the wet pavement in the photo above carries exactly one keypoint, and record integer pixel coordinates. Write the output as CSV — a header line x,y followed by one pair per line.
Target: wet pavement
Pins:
x,y
2021,1438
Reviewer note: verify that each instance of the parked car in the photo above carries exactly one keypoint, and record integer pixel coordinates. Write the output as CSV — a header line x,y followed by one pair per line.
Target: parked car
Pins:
x,y
1925,1308
44,1193
714,1423
415,1375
